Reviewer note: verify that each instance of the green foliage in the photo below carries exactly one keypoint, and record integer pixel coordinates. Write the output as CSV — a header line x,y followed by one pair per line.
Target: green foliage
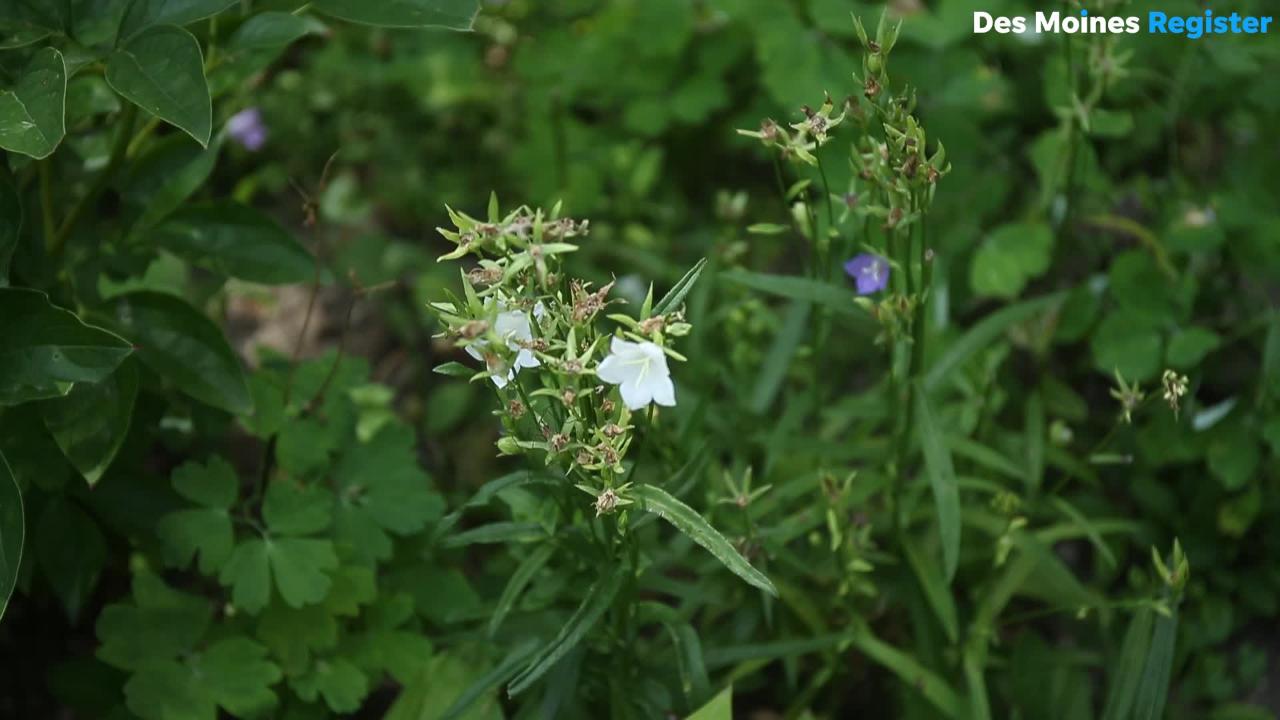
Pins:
x,y
267,458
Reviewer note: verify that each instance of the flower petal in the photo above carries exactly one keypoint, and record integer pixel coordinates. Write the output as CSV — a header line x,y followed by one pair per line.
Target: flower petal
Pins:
x,y
613,370
635,394
664,392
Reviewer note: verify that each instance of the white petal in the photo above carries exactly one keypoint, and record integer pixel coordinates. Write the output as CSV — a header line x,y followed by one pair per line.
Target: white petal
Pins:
x,y
664,393
501,381
635,395
618,346
613,370
474,350
526,359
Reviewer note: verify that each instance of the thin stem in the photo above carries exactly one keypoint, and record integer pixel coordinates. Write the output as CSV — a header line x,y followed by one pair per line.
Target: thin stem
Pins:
x,y
831,213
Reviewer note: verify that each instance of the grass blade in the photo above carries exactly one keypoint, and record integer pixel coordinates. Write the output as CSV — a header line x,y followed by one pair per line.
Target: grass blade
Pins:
x,y
1123,688
837,298
519,579
490,680
597,601
1153,687
774,369
935,590
909,671
984,333
677,293
942,481
688,521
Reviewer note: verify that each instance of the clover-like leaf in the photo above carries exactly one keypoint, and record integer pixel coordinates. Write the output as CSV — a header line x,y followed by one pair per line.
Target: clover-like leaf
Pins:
x,y
291,508
337,680
160,623
382,490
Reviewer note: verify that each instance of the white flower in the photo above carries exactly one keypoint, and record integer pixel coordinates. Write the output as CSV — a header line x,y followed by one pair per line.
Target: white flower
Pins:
x,y
640,372
515,329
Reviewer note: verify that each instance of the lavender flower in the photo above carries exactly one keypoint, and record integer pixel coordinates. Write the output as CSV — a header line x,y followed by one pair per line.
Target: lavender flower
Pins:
x,y
248,129
870,272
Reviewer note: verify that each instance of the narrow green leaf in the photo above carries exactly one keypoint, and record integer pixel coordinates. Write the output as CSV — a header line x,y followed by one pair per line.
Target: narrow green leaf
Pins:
x,y
909,671
677,293
525,572
719,707
235,240
774,370
161,70
942,481
33,112
1153,686
693,669
1126,673
12,532
688,521
767,229
1035,440
837,298
185,347
453,14
454,369
46,347
1095,537
496,533
597,601
935,590
985,332
90,423
502,672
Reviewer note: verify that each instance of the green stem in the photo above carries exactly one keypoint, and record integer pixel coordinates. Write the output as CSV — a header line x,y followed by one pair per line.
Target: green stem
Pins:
x,y
831,213
118,152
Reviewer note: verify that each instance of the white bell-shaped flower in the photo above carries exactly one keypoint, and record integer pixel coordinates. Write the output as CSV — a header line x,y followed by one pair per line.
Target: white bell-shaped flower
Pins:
x,y
515,329
640,372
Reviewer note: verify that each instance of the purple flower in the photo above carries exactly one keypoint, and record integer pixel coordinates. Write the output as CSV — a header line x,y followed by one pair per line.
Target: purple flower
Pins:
x,y
870,272
248,129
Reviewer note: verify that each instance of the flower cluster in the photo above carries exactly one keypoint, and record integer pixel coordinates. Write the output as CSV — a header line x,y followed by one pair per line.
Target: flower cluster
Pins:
x,y
520,313
810,133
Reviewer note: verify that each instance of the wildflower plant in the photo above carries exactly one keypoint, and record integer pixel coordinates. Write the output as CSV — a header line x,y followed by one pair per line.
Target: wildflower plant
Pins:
x,y
579,383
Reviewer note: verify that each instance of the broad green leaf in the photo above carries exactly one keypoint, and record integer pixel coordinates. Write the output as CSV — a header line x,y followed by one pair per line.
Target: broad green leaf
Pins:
x,y
382,490
233,673
165,175
72,552
340,683
982,334
1129,344
525,572
598,599
294,634
719,707
12,532
203,533
454,14
32,112
935,589
271,30
291,508
10,224
1009,257
1153,686
161,70
1188,347
942,481
184,347
1122,685
248,573
677,294
142,14
688,521
91,422
49,16
238,676
160,623
46,347
232,239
